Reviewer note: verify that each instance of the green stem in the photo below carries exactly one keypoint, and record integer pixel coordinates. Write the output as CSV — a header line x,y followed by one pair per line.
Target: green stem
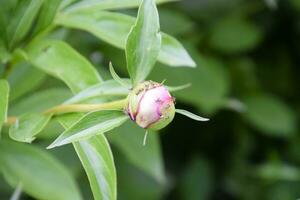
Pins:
x,y
69,108
17,193
61,109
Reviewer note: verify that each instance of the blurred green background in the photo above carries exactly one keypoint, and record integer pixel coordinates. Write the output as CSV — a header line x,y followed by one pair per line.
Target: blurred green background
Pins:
x,y
246,81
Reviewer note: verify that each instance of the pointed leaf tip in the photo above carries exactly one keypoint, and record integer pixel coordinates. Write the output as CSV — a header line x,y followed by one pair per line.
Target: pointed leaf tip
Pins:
x,y
116,77
91,124
51,146
143,43
28,126
177,88
191,115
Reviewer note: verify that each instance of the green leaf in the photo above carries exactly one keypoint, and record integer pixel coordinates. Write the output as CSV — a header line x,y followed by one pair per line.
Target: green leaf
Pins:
x,y
295,4
28,126
128,138
178,88
210,82
270,115
113,28
116,77
22,20
109,88
24,78
191,115
70,119
225,33
4,54
143,43
133,183
47,14
97,160
4,91
4,7
97,5
40,101
41,175
66,3
173,53
197,180
169,17
62,61
90,125
278,171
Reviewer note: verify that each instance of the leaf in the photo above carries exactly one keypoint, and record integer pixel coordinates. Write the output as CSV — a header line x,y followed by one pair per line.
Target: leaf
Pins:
x,y
69,119
191,115
128,138
116,77
94,153
28,126
178,88
22,20
3,30
169,17
97,160
133,183
197,180
225,33
277,171
109,88
66,3
270,115
143,43
210,82
41,175
24,78
4,91
90,125
40,101
96,5
173,53
295,4
4,54
5,7
47,14
62,61
113,28
17,56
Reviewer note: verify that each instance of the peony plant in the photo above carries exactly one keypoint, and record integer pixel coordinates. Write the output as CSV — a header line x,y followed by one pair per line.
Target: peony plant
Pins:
x,y
96,106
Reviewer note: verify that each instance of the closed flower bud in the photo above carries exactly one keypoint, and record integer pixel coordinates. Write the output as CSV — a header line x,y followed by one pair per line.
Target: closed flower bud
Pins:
x,y
150,105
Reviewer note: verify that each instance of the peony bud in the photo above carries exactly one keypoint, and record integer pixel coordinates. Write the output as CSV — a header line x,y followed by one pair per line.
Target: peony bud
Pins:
x,y
150,105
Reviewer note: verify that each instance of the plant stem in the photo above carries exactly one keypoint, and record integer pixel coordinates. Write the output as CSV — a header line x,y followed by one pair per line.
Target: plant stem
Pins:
x,y
68,108
17,193
61,109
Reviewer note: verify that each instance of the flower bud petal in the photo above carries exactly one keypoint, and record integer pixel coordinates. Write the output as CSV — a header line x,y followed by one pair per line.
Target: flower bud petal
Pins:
x,y
151,106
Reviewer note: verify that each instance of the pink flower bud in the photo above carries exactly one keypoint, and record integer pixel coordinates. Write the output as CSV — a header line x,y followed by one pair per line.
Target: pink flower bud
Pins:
x,y
150,105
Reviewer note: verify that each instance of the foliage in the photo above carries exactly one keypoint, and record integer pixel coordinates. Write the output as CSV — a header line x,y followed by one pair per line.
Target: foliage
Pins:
x,y
238,58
